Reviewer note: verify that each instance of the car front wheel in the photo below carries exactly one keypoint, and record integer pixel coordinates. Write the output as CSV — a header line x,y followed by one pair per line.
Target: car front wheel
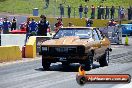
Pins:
x,y
89,62
45,64
104,60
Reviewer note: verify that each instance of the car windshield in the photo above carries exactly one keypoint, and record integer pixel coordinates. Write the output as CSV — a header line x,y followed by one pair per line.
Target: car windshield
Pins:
x,y
82,33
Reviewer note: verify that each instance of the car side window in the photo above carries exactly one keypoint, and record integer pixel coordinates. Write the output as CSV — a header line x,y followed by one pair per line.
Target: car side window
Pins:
x,y
95,35
99,34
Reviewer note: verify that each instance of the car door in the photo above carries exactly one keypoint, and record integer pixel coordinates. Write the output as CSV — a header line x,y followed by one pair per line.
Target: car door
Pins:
x,y
97,44
102,42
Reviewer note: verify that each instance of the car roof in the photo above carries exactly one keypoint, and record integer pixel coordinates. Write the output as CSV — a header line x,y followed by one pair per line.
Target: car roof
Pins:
x,y
125,24
78,27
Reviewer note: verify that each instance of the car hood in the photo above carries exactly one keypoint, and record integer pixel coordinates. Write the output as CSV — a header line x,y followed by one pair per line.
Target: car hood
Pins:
x,y
70,40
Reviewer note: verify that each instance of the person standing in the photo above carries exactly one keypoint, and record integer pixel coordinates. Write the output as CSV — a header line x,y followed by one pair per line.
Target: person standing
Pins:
x,y
99,12
102,12
43,26
80,11
6,26
93,12
122,13
69,11
13,24
130,13
107,12
33,27
26,24
61,10
47,3
86,11
112,12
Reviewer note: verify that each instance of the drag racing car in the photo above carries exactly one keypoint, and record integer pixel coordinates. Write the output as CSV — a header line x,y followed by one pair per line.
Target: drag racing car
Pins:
x,y
76,45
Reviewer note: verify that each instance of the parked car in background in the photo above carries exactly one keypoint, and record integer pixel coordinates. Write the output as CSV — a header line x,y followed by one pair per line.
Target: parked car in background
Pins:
x,y
126,29
76,45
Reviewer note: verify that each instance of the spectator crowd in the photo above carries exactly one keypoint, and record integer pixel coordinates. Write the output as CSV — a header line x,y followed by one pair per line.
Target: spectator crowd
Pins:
x,y
5,24
103,12
42,27
31,27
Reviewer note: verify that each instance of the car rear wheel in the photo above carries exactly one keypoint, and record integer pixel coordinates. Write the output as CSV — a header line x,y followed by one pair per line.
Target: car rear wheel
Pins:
x,y
104,60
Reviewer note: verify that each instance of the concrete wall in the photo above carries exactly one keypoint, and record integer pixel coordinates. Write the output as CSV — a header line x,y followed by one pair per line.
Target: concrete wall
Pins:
x,y
13,39
76,21
33,45
30,49
10,53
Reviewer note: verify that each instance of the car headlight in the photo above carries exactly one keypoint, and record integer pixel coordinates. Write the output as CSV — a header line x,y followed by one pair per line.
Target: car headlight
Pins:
x,y
44,48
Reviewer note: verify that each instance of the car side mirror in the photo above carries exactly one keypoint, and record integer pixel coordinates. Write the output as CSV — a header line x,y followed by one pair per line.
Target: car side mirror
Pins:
x,y
103,36
110,49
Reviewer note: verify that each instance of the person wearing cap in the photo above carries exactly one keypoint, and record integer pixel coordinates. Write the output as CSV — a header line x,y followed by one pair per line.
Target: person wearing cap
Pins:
x,y
43,26
59,24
